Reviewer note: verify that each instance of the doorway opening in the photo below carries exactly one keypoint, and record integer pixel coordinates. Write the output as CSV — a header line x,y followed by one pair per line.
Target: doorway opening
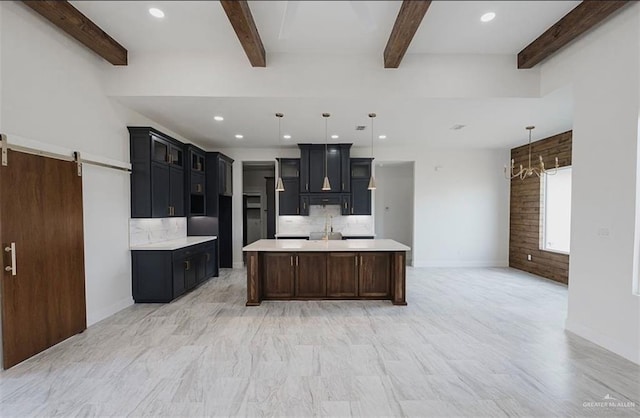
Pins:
x,y
258,201
394,202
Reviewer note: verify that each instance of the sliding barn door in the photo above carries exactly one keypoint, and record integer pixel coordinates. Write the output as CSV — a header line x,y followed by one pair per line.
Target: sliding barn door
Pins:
x,y
43,289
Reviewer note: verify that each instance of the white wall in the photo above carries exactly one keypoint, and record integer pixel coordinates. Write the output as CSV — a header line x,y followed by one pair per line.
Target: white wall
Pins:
x,y
52,93
461,210
603,69
394,203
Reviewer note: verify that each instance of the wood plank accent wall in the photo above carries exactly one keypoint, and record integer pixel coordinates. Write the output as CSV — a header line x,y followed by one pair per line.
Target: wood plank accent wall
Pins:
x,y
524,225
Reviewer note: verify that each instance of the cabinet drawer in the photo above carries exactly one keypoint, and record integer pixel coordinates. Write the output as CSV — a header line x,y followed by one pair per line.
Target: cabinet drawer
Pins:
x,y
324,200
197,183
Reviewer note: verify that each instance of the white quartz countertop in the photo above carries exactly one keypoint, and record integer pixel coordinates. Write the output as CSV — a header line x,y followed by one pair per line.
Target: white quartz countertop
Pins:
x,y
173,244
303,245
287,235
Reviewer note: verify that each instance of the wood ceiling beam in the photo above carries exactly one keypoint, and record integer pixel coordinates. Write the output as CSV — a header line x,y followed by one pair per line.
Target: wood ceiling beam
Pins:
x,y
73,22
581,19
241,19
407,23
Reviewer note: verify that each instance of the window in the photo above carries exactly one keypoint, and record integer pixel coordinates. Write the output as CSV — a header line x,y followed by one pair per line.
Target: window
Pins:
x,y
556,215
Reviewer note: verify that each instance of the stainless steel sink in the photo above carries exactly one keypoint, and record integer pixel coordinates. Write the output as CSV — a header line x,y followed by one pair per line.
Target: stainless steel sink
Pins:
x,y
321,235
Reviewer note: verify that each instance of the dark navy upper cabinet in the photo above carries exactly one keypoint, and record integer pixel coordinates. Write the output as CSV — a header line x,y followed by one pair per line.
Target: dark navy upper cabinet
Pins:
x,y
195,179
360,193
289,200
318,159
157,178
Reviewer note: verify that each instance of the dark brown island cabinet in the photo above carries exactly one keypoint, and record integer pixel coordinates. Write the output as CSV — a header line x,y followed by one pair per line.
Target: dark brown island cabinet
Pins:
x,y
317,270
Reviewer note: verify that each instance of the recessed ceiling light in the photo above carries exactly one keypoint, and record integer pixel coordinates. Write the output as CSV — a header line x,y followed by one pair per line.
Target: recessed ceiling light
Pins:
x,y
155,12
238,136
334,137
487,17
382,137
218,118
286,136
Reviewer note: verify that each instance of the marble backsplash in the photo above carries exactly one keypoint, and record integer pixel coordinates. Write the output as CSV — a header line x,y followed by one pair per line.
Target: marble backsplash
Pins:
x,y
315,222
148,231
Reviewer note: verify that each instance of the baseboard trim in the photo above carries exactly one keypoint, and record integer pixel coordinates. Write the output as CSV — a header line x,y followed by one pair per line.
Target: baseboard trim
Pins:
x,y
615,346
454,264
98,316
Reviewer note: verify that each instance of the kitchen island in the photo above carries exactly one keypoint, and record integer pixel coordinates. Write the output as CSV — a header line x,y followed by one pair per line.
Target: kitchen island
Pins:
x,y
326,269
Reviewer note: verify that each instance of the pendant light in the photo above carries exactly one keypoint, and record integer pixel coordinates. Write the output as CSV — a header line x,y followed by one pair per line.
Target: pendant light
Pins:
x,y
279,183
326,186
372,181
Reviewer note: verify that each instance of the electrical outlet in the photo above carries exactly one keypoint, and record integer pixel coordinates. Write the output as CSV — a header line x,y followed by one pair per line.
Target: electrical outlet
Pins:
x,y
528,257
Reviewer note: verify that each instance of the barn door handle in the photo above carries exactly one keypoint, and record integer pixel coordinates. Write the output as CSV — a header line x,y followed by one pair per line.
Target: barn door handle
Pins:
x,y
11,249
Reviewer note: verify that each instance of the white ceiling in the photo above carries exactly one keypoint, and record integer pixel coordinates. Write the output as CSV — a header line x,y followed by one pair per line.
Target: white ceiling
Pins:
x,y
450,27
341,27
490,123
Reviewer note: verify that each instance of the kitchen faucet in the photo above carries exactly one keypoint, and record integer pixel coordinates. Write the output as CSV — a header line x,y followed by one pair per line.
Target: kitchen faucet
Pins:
x,y
328,226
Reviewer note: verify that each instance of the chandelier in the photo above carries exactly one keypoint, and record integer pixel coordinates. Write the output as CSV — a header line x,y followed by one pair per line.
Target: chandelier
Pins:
x,y
530,170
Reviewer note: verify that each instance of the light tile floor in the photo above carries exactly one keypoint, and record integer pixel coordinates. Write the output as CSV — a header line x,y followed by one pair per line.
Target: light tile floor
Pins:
x,y
471,342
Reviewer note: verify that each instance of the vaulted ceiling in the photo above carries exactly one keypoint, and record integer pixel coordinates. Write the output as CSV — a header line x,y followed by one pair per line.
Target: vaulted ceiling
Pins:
x,y
325,30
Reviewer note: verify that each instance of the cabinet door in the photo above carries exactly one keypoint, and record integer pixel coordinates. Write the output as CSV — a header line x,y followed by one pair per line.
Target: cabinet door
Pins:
x,y
228,178
374,275
221,174
334,167
345,206
311,277
278,275
159,150
290,198
342,280
178,277
197,183
196,161
345,166
176,154
176,192
160,196
190,267
360,197
304,170
316,169
210,259
304,205
200,266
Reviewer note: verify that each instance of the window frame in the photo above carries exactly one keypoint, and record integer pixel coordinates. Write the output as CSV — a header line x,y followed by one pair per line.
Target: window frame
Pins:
x,y
543,211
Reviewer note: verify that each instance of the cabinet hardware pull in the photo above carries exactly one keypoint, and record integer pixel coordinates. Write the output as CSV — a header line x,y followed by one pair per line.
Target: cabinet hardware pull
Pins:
x,y
345,205
291,261
297,261
187,265
169,209
352,210
356,261
306,187
208,256
343,186
11,248
304,205
298,210
198,187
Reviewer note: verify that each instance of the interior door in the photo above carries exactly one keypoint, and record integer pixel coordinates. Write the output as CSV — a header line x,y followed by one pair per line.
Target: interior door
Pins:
x,y
43,297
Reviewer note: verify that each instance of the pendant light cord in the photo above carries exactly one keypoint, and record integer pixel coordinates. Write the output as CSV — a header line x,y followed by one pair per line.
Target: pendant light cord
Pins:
x,y
326,148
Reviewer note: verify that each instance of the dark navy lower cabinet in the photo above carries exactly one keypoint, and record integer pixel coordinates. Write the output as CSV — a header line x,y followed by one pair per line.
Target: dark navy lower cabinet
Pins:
x,y
161,276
